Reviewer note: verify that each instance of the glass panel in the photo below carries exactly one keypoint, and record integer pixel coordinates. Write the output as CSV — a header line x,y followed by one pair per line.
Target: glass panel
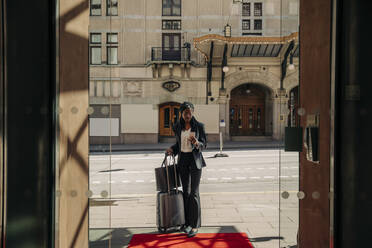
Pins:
x,y
176,42
166,11
262,50
258,118
289,165
246,24
171,25
241,50
166,42
176,115
246,9
95,55
248,50
240,118
255,50
95,7
257,9
257,24
112,38
167,8
235,49
95,38
232,115
112,7
250,120
166,117
112,55
176,25
176,7
176,11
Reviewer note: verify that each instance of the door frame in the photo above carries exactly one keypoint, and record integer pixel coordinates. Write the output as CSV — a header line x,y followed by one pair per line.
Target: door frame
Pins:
x,y
172,53
171,104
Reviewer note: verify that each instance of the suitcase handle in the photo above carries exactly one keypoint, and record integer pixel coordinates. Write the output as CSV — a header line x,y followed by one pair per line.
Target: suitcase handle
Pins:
x,y
175,171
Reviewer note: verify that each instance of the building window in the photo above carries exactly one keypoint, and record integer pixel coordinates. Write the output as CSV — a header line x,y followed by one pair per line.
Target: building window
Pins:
x,y
257,9
112,38
95,55
95,7
246,9
257,24
171,25
95,38
246,25
112,55
171,7
112,7
95,49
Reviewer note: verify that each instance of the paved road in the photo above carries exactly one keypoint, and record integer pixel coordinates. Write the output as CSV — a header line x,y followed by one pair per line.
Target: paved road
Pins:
x,y
242,171
240,193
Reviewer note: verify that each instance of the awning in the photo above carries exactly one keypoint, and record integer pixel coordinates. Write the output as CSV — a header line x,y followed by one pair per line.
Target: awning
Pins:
x,y
245,46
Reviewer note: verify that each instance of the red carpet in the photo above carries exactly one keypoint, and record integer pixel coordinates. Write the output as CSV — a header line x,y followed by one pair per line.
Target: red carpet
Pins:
x,y
201,240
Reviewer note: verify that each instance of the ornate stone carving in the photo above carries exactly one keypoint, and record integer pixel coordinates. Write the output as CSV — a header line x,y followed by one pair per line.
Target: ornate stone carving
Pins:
x,y
171,86
265,78
133,88
291,81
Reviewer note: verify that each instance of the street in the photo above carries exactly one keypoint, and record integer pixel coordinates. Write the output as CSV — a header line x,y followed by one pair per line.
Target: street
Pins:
x,y
241,192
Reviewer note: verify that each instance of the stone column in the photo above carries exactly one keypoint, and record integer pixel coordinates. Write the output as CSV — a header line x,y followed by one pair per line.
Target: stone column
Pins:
x,y
280,116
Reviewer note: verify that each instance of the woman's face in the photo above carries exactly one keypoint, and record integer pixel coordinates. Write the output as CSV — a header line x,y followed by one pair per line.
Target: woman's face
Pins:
x,y
187,115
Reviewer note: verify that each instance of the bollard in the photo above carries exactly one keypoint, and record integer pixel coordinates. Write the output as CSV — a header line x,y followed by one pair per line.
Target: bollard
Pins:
x,y
221,146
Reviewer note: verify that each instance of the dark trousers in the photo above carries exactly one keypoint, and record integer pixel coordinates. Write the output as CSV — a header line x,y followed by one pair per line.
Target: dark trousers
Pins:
x,y
190,177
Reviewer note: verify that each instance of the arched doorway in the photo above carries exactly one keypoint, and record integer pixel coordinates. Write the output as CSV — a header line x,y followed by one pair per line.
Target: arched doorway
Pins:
x,y
168,115
247,110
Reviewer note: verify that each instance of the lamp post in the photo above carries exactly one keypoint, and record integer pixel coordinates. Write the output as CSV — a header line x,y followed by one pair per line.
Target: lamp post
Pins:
x,y
227,30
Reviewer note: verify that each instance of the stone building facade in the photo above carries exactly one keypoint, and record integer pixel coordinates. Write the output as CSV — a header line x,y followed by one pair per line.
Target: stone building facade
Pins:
x,y
148,56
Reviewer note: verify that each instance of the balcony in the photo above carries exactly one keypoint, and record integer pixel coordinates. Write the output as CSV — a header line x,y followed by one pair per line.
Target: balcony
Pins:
x,y
170,54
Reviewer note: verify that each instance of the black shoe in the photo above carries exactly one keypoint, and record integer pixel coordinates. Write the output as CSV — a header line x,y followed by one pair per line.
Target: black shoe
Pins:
x,y
192,233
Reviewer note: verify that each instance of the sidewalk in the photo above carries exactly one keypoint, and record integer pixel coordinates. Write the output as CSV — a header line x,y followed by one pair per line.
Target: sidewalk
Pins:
x,y
254,213
229,145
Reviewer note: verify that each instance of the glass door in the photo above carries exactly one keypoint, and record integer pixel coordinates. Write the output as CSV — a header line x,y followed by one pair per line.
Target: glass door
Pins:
x,y
287,104
172,47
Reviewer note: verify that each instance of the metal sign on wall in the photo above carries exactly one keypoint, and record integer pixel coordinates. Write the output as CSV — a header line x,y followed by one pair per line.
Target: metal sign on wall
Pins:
x,y
171,86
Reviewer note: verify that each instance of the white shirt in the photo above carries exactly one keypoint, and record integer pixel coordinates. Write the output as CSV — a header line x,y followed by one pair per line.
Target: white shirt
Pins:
x,y
185,143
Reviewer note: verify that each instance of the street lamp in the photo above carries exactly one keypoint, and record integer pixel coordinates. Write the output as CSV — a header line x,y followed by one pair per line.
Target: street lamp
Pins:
x,y
227,30
225,69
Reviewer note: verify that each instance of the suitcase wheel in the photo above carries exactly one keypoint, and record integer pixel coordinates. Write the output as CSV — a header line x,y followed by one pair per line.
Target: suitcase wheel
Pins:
x,y
162,229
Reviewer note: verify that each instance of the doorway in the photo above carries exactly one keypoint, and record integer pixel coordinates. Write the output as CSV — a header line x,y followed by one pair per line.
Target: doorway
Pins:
x,y
171,47
169,113
247,111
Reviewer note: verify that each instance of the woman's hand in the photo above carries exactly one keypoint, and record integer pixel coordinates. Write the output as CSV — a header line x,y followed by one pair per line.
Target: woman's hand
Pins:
x,y
193,140
169,151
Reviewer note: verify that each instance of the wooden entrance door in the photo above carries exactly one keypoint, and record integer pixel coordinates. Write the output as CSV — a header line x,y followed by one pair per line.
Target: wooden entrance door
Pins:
x,y
247,120
169,114
247,111
171,47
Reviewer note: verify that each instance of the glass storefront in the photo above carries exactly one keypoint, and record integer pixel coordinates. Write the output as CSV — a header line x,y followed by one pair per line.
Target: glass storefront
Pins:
x,y
267,100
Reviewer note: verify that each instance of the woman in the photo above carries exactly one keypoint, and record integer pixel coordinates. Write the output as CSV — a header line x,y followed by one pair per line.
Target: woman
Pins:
x,y
191,140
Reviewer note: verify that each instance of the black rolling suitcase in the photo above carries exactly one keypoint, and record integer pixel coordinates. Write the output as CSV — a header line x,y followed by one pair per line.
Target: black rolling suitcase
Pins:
x,y
169,205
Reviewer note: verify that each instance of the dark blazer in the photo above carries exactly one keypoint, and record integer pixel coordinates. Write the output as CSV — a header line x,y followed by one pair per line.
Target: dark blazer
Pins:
x,y
199,130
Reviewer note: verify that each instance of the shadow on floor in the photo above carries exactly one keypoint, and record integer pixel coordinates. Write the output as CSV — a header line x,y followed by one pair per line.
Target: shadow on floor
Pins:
x,y
264,239
120,237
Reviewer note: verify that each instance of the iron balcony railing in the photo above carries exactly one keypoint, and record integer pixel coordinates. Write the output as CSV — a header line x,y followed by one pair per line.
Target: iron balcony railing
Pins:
x,y
170,54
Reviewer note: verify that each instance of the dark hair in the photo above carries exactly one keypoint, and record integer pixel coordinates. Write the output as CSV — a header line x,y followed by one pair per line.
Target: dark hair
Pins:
x,y
186,105
183,107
